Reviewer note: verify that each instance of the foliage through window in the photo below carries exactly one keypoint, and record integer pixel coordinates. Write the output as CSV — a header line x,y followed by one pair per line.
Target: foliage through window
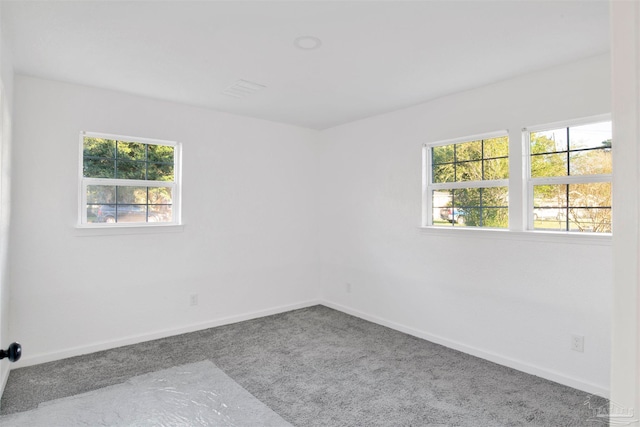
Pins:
x,y
128,180
468,183
570,178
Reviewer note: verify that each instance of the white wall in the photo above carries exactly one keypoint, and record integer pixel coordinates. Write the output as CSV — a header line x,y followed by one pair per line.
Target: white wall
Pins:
x,y
6,96
512,300
256,197
247,247
625,375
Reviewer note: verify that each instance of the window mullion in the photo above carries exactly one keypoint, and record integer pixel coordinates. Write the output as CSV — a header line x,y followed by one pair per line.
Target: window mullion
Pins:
x,y
455,163
573,179
469,184
128,182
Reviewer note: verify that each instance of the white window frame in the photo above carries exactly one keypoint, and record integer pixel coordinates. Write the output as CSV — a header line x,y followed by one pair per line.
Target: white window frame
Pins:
x,y
428,186
175,185
560,180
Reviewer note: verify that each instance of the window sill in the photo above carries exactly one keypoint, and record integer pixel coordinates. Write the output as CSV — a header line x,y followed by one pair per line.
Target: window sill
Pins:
x,y
602,239
110,230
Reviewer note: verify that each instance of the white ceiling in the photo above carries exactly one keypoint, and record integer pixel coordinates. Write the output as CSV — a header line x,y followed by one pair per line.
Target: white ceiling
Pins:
x,y
376,56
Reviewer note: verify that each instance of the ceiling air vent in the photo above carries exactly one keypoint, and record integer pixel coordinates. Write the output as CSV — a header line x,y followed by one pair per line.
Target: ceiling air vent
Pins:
x,y
242,88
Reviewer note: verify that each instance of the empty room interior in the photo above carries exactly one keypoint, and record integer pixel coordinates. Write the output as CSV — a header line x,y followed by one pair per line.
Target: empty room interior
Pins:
x,y
319,213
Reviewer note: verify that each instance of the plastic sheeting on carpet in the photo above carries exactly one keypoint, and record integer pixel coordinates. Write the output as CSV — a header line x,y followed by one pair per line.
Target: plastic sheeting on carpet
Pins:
x,y
197,394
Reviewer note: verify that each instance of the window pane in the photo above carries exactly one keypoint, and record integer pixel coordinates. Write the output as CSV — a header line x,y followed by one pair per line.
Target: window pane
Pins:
x,y
442,207
131,162
466,206
98,147
101,194
496,168
106,213
131,213
550,207
548,218
161,154
549,141
160,213
550,196
596,135
545,165
98,168
595,194
121,213
594,220
128,204
496,147
465,162
466,197
131,195
495,217
470,216
131,170
495,197
469,151
97,196
160,195
548,213
485,207
444,173
131,150
587,209
475,207
590,162
469,171
442,154
92,213
442,198
160,172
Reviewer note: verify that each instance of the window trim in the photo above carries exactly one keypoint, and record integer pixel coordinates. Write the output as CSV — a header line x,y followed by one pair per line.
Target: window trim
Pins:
x,y
530,181
176,184
427,177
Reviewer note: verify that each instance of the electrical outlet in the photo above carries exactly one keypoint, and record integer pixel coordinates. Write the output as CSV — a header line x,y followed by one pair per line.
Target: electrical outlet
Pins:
x,y
577,343
193,299
347,288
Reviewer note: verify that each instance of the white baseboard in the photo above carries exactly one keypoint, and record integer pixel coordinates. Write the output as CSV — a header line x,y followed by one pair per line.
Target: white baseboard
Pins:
x,y
28,360
36,359
483,354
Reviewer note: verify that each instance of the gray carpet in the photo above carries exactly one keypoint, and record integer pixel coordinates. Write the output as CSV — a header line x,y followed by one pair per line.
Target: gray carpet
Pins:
x,y
196,394
320,367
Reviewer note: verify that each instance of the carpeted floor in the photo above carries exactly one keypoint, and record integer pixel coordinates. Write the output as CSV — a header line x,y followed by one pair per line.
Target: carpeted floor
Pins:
x,y
195,395
320,367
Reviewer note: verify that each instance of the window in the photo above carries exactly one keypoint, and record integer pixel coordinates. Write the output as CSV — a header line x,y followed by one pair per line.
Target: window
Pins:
x,y
467,182
128,181
569,181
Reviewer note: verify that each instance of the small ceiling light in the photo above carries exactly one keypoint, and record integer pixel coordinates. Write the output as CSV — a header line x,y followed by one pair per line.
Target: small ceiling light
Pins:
x,y
307,42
